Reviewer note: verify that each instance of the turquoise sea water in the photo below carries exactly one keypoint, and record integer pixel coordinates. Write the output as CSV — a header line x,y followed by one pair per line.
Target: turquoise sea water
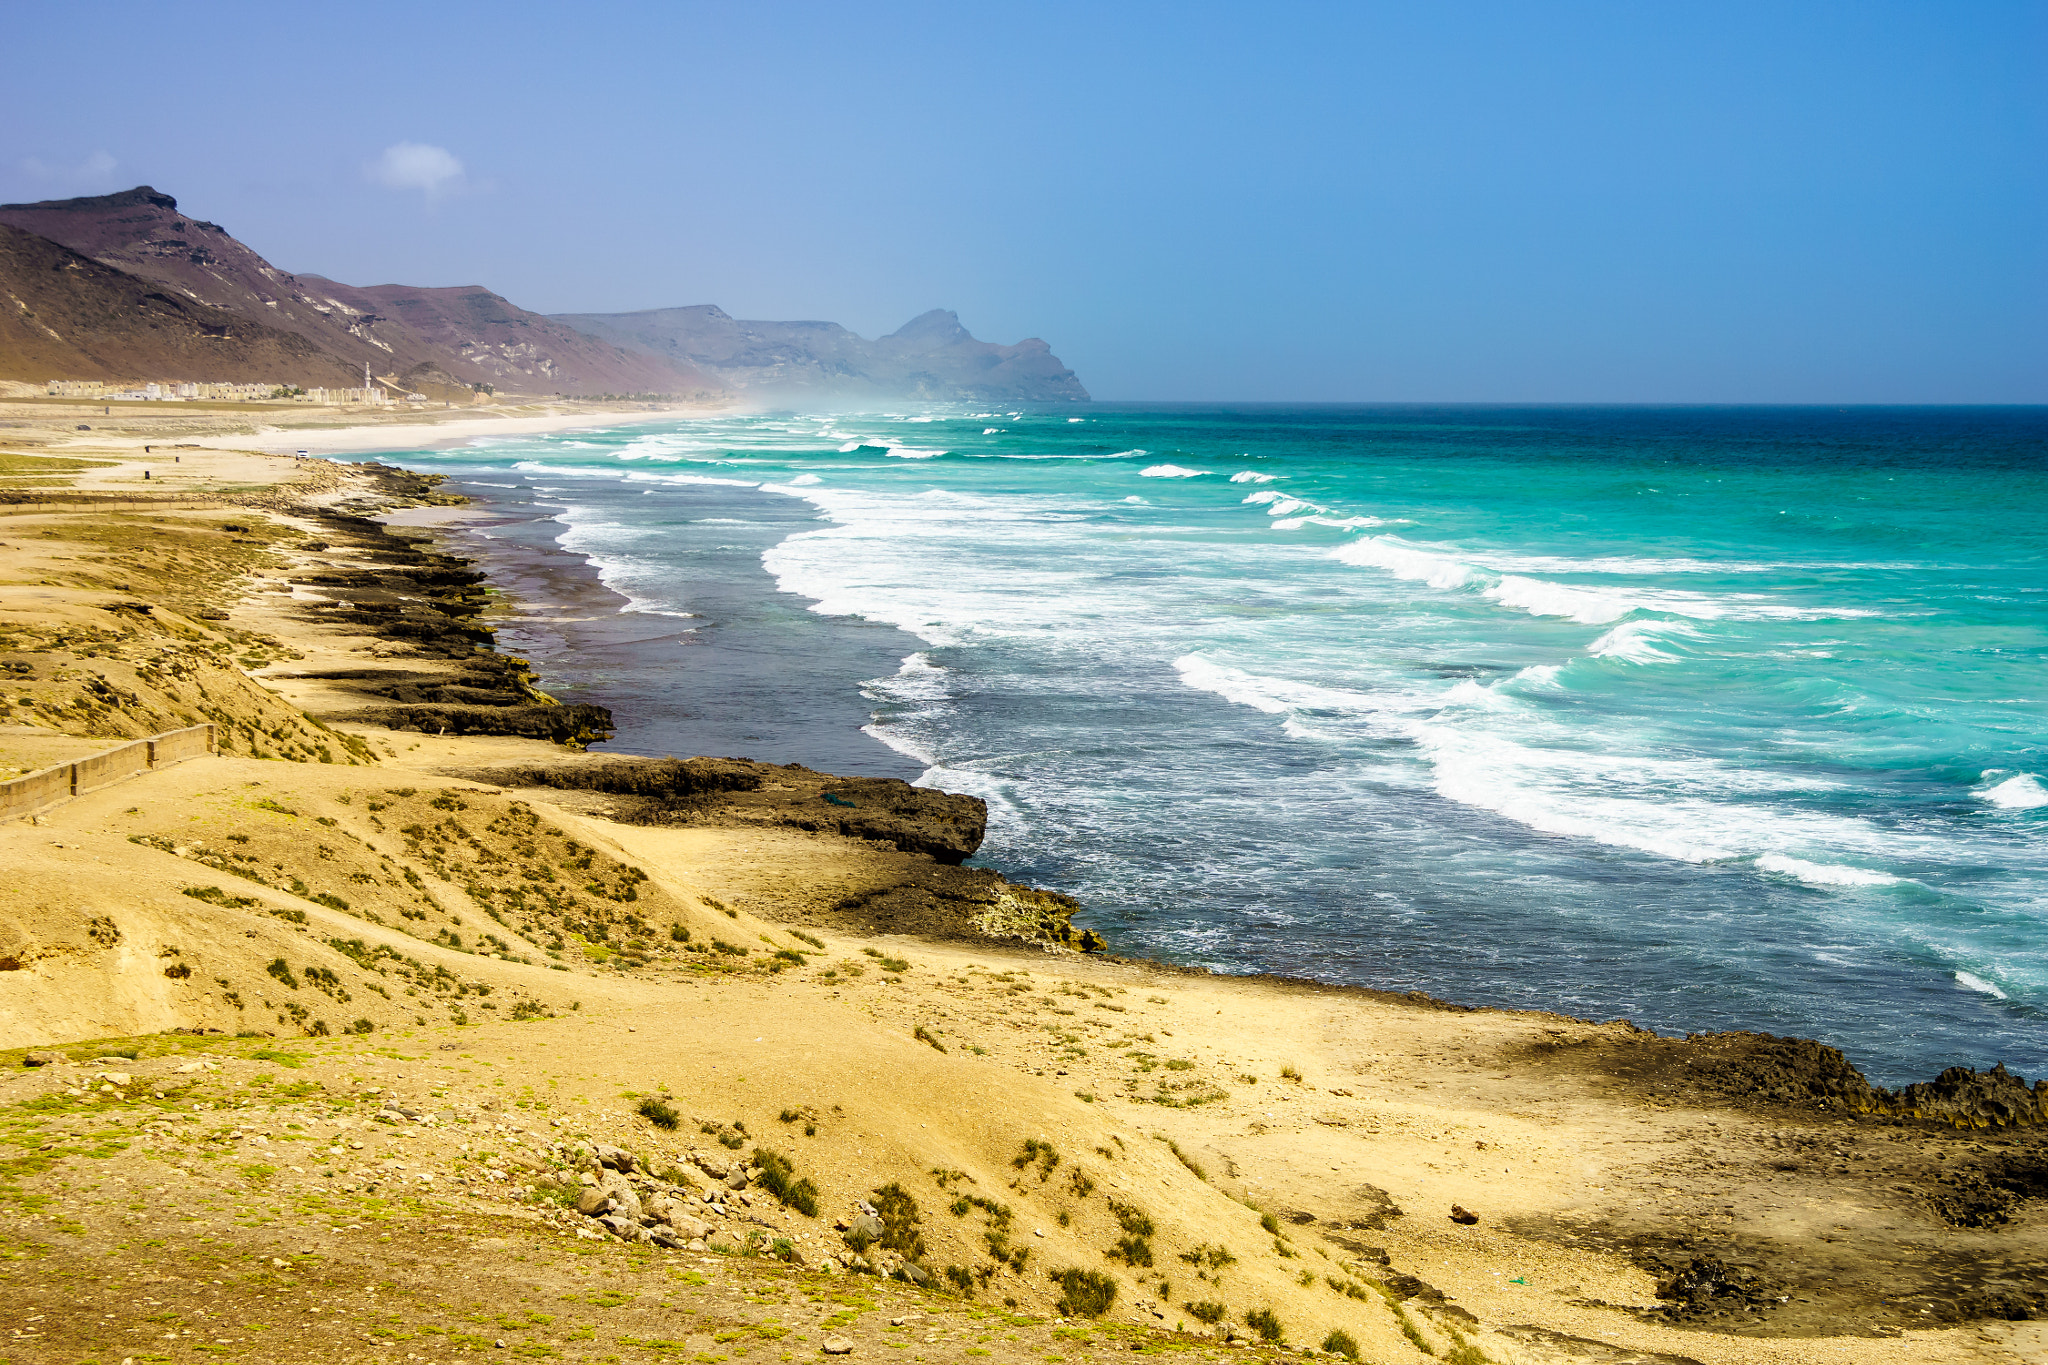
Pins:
x,y
1710,718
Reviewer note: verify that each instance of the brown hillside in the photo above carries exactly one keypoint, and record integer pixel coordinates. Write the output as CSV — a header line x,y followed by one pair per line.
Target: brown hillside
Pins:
x,y
506,346
68,317
473,336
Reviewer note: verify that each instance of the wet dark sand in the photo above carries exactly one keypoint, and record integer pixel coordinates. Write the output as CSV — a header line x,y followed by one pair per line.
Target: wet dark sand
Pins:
x,y
751,673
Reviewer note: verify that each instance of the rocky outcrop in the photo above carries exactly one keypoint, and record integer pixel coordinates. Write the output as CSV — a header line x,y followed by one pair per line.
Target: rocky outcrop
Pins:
x,y
931,357
1801,1073
925,893
728,791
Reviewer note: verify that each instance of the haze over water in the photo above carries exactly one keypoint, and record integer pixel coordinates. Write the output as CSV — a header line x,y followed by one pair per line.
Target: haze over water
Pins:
x,y
1712,718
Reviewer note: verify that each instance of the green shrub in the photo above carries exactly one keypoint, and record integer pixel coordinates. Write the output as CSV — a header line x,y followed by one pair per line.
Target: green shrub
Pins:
x,y
1035,1150
811,939
1132,1219
1206,1310
1262,1321
1131,1251
1084,1293
778,1177
280,969
1339,1341
658,1113
897,1209
362,1026
923,1035
679,933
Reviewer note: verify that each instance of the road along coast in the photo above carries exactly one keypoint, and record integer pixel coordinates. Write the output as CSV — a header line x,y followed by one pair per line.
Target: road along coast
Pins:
x,y
402,1019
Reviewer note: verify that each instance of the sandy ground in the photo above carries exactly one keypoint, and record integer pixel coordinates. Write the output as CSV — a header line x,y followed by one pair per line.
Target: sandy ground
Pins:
x,y
1287,1152
288,428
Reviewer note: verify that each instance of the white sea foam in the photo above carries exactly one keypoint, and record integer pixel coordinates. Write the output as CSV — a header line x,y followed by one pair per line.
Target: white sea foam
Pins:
x,y
804,480
991,431
1970,981
1335,523
1641,641
1586,603
2022,791
1401,559
1823,874
913,453
1538,597
1169,471
1274,696
1249,476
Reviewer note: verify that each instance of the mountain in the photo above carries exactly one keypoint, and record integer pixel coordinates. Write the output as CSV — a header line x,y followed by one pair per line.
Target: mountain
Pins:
x,y
66,316
445,337
930,357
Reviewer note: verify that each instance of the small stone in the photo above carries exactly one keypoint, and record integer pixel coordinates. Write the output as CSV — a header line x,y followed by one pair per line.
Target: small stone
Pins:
x,y
1461,1214
838,1346
41,1058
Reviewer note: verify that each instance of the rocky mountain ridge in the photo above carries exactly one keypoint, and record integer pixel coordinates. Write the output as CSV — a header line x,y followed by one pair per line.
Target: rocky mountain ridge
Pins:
x,y
65,315
436,338
931,357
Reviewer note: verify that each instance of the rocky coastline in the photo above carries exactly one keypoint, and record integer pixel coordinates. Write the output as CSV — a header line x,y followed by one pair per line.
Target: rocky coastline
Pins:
x,y
487,983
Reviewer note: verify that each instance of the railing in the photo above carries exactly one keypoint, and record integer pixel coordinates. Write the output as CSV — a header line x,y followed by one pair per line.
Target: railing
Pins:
x,y
38,791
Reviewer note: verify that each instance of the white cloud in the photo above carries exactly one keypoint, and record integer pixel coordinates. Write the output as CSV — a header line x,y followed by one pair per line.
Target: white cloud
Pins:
x,y
96,169
417,166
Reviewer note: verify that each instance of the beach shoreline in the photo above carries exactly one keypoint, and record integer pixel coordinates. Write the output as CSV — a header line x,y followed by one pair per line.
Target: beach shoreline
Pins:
x,y
1592,1153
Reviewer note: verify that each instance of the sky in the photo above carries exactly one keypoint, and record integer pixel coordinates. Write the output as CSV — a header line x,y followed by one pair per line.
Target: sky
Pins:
x,y
1426,202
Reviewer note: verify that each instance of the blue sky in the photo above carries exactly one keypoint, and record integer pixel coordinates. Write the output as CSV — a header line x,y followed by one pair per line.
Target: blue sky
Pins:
x,y
1726,202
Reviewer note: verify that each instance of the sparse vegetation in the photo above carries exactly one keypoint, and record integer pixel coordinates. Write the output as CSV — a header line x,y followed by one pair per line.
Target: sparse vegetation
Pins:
x,y
1193,1168
1040,1152
659,1113
897,1209
1266,1324
1340,1342
778,1176
1206,1310
1084,1293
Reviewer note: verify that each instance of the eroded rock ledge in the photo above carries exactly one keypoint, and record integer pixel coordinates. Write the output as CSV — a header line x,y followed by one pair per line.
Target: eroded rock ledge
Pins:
x,y
928,893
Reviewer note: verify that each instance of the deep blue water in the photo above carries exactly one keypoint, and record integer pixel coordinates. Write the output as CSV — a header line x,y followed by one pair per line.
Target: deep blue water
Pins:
x,y
1710,718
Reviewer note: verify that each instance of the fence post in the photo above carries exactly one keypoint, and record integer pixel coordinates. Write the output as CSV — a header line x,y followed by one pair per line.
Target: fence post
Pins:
x,y
74,779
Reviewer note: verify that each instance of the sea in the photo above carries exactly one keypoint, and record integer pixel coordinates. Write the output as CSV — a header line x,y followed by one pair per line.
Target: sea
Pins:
x,y
1708,718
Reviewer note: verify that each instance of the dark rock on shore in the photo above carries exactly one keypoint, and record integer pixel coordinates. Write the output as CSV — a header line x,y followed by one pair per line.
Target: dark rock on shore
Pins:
x,y
577,725
428,608
1799,1073
730,791
919,889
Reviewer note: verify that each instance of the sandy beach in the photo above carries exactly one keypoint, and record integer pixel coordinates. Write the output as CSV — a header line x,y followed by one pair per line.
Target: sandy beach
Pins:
x,y
404,1019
